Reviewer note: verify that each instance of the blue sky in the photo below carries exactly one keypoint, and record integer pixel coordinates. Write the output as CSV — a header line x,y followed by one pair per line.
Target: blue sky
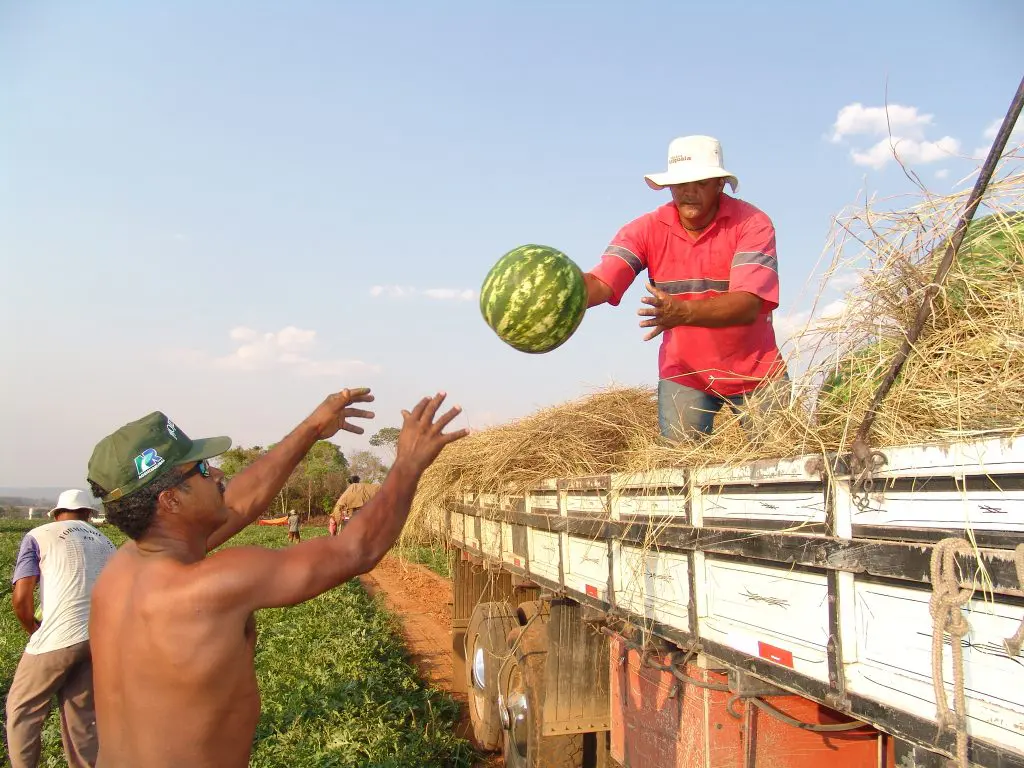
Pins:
x,y
227,210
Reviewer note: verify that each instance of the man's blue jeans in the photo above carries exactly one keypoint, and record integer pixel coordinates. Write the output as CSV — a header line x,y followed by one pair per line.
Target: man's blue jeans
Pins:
x,y
687,412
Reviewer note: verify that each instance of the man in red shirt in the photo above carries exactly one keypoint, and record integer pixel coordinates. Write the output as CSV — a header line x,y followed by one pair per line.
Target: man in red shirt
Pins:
x,y
714,283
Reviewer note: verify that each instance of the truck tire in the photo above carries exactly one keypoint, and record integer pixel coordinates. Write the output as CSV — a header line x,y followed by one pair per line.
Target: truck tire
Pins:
x,y
522,701
528,609
486,650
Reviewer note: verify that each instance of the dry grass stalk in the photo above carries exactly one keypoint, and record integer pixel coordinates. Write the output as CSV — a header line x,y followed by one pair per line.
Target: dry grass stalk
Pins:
x,y
965,376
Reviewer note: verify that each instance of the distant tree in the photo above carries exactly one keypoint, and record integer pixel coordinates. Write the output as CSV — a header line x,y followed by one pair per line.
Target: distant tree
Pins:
x,y
233,461
315,483
324,460
368,466
386,438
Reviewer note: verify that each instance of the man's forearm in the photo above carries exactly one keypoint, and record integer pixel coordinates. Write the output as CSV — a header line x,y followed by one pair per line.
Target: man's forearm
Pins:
x,y
729,309
380,520
26,616
361,544
598,292
295,574
23,602
250,493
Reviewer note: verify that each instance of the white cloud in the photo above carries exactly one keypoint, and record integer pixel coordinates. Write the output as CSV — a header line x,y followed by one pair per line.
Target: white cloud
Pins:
x,y
792,325
901,134
856,119
909,151
440,294
391,291
845,279
290,348
992,130
942,173
1016,136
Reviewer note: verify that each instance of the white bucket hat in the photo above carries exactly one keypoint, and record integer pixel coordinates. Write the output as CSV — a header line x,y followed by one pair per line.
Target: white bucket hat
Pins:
x,y
692,158
73,500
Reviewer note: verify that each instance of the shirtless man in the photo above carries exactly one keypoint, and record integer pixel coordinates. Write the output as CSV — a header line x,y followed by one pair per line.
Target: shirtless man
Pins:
x,y
172,627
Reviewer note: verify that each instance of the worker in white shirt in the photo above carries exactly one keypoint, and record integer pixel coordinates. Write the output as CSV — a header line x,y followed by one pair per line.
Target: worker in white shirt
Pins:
x,y
62,559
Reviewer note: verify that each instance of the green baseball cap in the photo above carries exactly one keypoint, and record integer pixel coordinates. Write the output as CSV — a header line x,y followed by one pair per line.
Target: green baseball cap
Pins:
x,y
143,450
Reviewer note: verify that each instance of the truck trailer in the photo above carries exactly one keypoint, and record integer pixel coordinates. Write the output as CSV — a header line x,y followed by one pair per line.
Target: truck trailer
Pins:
x,y
784,613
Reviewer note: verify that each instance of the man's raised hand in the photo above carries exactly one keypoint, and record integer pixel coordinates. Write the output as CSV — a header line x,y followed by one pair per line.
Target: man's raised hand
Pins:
x,y
664,312
422,438
333,413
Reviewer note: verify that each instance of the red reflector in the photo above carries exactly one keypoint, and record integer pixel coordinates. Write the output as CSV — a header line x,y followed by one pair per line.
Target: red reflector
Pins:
x,y
779,656
591,591
518,562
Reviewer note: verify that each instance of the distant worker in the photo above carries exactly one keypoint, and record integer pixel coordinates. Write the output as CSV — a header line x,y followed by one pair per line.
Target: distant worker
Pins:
x,y
714,282
173,631
353,499
63,559
293,525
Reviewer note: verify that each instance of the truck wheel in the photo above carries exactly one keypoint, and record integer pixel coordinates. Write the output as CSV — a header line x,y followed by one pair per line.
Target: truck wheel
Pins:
x,y
521,705
486,650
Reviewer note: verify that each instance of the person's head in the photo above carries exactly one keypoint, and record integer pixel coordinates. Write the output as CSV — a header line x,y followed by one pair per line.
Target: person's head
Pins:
x,y
149,471
353,480
696,179
72,504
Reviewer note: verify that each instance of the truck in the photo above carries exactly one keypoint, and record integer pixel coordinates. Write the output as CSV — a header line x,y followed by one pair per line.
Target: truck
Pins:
x,y
781,613
850,608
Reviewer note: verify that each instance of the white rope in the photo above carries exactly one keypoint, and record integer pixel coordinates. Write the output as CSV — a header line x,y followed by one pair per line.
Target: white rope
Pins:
x,y
948,599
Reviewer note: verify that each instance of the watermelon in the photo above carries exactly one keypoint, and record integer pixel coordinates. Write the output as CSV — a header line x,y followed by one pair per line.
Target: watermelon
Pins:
x,y
534,298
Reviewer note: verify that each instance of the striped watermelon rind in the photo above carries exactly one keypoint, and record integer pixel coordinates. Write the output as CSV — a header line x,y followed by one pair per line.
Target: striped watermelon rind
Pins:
x,y
534,298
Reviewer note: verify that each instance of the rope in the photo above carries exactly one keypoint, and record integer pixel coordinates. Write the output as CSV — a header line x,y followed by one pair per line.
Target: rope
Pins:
x,y
948,598
1013,643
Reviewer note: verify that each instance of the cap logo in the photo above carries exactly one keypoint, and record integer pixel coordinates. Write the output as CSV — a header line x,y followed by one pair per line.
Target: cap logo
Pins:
x,y
147,461
680,159
172,430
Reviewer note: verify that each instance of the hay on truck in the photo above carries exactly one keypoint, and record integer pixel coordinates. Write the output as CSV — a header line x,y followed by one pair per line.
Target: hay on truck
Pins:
x,y
964,377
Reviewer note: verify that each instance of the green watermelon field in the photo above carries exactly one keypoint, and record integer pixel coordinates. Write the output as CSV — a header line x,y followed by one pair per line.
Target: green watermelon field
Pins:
x,y
338,689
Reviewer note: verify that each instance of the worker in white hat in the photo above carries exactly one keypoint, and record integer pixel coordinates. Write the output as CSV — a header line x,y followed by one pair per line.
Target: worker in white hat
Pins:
x,y
713,284
62,558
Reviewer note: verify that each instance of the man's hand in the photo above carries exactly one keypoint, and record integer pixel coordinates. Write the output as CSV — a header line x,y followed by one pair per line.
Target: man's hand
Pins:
x,y
421,438
665,312
330,417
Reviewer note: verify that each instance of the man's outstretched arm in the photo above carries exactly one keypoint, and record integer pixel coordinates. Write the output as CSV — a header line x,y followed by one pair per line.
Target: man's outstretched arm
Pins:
x,y
250,493
248,578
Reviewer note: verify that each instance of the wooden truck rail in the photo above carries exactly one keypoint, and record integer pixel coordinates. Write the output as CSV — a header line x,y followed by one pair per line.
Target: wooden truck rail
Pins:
x,y
797,573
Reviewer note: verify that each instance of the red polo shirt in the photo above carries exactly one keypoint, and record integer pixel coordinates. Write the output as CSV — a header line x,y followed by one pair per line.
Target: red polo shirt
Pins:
x,y
735,253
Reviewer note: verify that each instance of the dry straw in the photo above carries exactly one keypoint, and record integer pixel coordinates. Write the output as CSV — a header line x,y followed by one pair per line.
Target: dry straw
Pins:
x,y
965,376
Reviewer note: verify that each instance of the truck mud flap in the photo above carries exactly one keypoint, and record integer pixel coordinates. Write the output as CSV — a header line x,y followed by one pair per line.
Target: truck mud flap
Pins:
x,y
576,674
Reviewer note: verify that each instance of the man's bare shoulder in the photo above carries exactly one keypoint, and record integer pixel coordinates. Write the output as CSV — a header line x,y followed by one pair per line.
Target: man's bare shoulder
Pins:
x,y
170,581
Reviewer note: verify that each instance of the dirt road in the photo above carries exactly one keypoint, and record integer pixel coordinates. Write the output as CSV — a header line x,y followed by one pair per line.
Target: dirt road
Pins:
x,y
423,601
